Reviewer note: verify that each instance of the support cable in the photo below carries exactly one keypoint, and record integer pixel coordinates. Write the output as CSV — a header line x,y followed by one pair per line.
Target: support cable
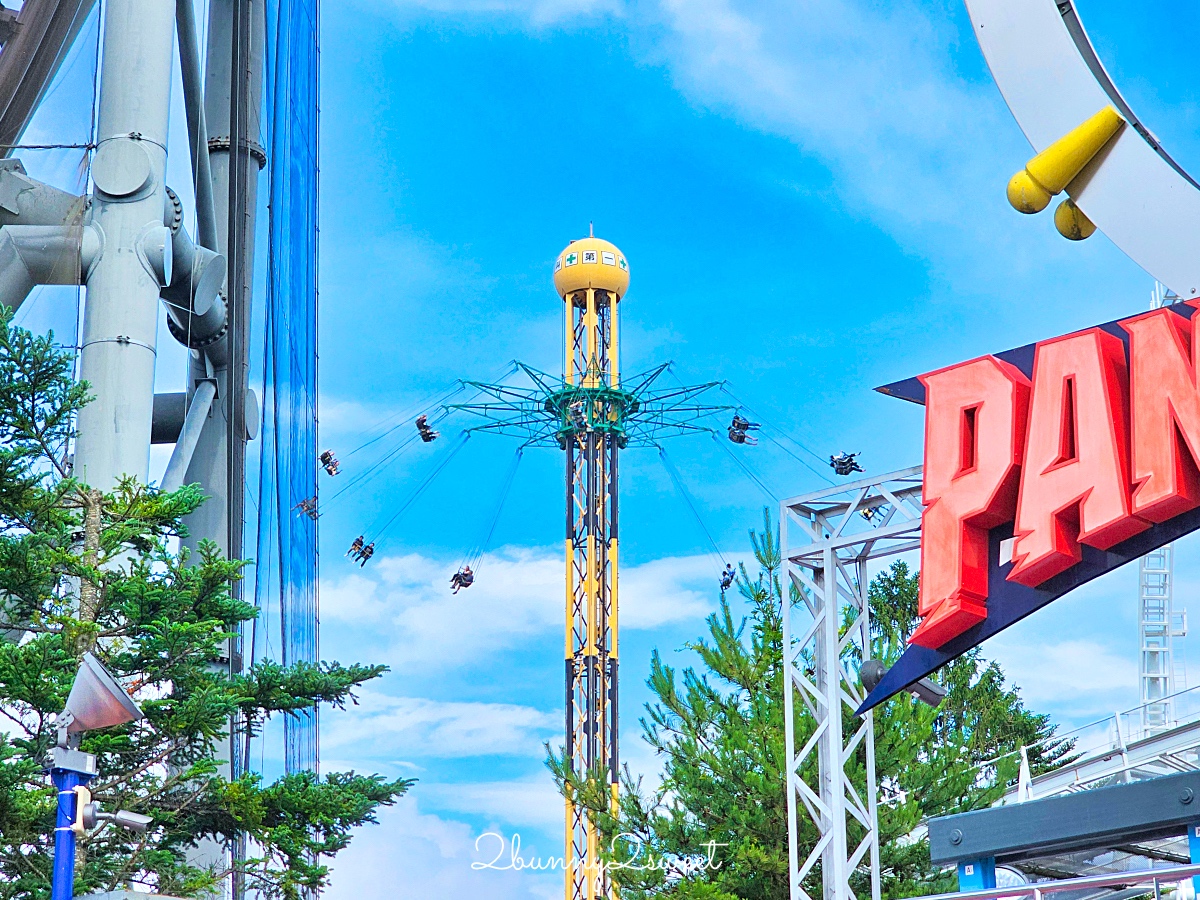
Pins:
x,y
429,403
436,406
681,488
375,468
474,557
767,434
377,534
768,427
745,468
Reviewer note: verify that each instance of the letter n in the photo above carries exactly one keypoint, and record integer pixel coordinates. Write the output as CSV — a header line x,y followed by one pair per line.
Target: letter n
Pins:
x,y
1075,478
1166,415
974,434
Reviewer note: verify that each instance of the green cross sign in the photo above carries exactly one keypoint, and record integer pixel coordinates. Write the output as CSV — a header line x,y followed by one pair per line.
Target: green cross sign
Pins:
x,y
571,259
622,262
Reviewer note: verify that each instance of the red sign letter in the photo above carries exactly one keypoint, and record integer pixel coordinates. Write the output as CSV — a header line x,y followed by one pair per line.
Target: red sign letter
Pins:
x,y
1075,477
1166,415
974,433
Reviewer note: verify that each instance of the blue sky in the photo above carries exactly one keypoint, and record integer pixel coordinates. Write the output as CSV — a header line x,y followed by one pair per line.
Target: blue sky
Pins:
x,y
811,197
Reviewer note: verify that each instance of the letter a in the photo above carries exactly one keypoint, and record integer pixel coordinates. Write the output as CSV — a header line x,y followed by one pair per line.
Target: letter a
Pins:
x,y
1075,477
1166,415
974,434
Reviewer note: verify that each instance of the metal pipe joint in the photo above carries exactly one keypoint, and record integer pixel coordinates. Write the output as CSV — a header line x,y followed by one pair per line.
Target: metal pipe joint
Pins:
x,y
195,307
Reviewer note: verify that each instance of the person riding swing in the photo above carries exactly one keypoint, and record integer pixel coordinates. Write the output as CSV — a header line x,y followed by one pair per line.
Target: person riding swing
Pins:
x,y
727,578
330,462
845,463
427,433
463,578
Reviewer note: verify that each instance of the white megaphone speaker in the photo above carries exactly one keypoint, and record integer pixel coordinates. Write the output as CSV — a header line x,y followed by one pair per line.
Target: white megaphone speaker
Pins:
x,y
96,701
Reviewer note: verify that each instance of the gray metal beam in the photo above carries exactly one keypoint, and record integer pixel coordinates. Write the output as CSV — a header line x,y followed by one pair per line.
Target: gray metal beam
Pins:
x,y
120,319
169,413
236,28
189,435
1099,818
193,98
827,545
232,106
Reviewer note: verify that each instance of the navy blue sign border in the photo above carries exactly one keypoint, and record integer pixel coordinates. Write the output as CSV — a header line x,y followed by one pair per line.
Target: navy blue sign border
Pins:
x,y
1009,602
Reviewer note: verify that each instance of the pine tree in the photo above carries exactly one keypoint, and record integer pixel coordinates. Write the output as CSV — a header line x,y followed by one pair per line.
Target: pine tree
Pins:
x,y
720,733
83,570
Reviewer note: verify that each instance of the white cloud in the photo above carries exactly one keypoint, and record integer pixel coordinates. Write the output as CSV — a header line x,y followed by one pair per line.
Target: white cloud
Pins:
x,y
536,13
529,804
430,728
518,594
412,855
869,88
1069,675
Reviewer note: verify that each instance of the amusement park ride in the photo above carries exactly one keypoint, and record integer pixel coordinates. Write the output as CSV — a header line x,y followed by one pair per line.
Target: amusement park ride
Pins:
x,y
1014,439
592,414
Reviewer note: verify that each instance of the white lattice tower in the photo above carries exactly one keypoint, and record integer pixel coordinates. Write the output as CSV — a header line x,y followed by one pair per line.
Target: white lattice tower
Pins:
x,y
829,540
1158,624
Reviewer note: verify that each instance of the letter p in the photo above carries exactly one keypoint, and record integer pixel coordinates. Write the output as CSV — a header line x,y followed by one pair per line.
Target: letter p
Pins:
x,y
975,416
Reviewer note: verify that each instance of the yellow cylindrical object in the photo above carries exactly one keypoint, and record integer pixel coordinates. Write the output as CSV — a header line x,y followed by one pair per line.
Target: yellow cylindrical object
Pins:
x,y
612,620
570,597
1071,222
569,860
590,645
593,860
569,342
592,363
614,359
1050,172
1056,166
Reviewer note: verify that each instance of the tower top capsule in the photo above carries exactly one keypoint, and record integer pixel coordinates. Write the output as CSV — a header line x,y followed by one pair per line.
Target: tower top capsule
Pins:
x,y
591,263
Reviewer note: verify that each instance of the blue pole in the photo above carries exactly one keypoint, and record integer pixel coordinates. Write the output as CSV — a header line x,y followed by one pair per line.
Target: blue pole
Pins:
x,y
1193,833
65,782
975,874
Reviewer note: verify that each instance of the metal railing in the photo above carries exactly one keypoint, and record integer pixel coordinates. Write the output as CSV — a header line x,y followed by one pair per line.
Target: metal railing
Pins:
x,y
1156,878
1110,735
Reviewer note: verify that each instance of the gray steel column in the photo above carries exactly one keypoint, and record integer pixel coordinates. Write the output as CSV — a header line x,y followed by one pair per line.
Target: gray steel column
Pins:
x,y
213,464
232,111
121,312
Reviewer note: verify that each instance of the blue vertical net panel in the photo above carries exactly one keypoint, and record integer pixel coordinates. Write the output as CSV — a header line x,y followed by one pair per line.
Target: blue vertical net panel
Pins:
x,y
286,570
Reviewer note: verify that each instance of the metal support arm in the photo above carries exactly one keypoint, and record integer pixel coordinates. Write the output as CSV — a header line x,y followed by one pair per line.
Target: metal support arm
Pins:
x,y
196,309
42,254
193,98
42,240
27,201
189,435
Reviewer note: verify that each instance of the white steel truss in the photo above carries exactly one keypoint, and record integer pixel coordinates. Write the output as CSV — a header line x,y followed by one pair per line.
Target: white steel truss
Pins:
x,y
828,540
1156,628
1158,623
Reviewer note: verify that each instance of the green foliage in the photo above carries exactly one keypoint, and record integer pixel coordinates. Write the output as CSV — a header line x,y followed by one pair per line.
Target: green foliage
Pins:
x,y
719,729
84,570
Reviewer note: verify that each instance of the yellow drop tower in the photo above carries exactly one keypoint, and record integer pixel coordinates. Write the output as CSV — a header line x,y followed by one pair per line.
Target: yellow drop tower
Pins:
x,y
591,276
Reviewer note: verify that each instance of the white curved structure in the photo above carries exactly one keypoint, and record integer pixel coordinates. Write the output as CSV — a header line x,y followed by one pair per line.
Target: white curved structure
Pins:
x,y
1052,80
